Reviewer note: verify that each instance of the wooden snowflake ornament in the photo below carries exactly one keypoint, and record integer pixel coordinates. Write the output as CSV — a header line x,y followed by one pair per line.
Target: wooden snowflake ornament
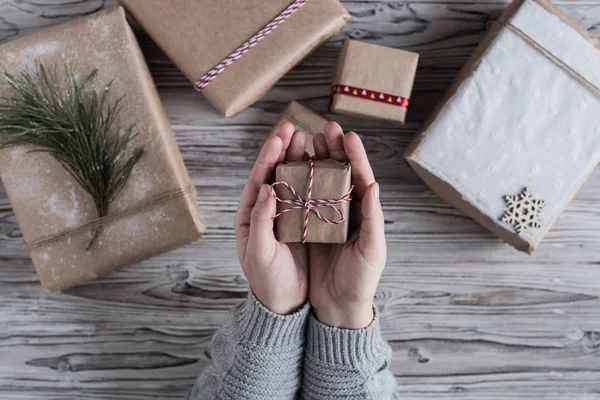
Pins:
x,y
522,211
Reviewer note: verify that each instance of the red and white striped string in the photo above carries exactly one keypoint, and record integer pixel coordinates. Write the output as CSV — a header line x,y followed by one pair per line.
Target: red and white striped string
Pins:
x,y
309,204
246,47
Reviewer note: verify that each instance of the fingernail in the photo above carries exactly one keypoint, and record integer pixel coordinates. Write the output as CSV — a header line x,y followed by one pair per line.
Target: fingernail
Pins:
x,y
263,194
376,191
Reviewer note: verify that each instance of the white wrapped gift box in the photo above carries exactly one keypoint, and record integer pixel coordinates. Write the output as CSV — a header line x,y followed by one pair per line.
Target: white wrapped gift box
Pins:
x,y
523,113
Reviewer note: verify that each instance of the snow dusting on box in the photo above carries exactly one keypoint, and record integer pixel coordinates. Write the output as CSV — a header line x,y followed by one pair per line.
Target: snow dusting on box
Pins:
x,y
23,58
67,211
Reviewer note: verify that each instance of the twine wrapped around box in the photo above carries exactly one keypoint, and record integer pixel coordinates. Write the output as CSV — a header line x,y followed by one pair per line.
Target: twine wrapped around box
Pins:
x,y
320,188
311,205
156,209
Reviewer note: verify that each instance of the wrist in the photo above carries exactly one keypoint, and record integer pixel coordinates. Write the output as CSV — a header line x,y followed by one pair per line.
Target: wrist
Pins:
x,y
261,327
358,317
361,349
284,307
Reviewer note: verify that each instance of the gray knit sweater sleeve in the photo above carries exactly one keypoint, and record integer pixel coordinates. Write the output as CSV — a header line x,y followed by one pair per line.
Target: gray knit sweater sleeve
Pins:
x,y
346,364
256,355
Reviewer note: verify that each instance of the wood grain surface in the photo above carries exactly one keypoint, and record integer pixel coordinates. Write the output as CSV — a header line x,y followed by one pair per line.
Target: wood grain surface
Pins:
x,y
467,316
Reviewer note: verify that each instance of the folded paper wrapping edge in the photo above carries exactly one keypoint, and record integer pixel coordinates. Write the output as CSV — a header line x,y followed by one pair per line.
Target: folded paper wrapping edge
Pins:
x,y
551,57
446,191
291,112
451,196
301,186
187,203
303,119
339,103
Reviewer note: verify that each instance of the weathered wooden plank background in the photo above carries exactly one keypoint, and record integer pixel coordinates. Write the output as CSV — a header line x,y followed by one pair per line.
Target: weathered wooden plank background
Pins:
x,y
468,317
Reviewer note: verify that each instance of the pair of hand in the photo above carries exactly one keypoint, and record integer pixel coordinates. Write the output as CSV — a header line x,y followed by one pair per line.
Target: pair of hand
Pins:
x,y
340,280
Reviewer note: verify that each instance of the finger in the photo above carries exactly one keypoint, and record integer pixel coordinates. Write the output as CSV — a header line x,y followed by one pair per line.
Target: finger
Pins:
x,y
263,169
355,212
306,156
334,135
321,149
297,146
362,173
285,132
371,238
261,173
261,238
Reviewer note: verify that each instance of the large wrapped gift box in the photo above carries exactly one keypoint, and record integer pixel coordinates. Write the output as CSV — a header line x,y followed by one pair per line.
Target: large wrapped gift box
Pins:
x,y
518,133
199,34
47,201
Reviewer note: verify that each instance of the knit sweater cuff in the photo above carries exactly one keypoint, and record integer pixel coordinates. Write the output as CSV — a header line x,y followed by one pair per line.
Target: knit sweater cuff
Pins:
x,y
260,327
347,347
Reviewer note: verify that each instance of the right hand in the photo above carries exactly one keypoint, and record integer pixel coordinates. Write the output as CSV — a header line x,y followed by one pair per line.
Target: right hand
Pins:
x,y
344,277
277,272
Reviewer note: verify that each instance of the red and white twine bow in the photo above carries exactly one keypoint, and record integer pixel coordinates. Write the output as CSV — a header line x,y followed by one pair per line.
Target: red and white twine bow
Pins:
x,y
309,204
236,55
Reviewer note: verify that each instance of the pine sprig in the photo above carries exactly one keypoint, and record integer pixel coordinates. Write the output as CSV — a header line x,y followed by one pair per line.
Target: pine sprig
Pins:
x,y
74,123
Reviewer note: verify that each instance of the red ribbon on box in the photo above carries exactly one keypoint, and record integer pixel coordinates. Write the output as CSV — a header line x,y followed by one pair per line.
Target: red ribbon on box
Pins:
x,y
367,94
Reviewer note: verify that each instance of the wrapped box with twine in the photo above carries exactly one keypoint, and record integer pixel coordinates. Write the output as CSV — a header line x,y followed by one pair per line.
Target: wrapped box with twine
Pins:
x,y
313,201
120,192
518,132
234,51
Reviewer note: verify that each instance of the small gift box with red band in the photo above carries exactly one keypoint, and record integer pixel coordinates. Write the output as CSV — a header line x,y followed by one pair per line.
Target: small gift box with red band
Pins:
x,y
373,81
313,201
234,51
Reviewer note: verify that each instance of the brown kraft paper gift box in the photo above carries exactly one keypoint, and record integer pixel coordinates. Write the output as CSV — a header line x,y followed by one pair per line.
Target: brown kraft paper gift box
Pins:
x,y
332,180
491,143
373,81
45,198
198,34
304,119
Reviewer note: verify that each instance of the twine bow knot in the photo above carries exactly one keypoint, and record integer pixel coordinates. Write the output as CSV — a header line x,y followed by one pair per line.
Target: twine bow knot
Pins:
x,y
309,204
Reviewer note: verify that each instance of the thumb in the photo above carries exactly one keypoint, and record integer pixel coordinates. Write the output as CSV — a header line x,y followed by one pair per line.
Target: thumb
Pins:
x,y
372,227
261,223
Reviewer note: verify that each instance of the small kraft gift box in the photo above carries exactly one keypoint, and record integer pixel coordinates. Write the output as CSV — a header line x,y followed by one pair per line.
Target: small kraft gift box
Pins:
x,y
313,201
234,51
518,132
373,81
304,119
103,184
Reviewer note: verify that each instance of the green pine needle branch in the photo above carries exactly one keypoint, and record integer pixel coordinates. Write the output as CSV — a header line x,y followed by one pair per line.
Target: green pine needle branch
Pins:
x,y
76,125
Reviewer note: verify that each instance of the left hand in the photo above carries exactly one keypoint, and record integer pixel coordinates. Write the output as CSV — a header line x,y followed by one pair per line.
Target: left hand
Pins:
x,y
277,272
